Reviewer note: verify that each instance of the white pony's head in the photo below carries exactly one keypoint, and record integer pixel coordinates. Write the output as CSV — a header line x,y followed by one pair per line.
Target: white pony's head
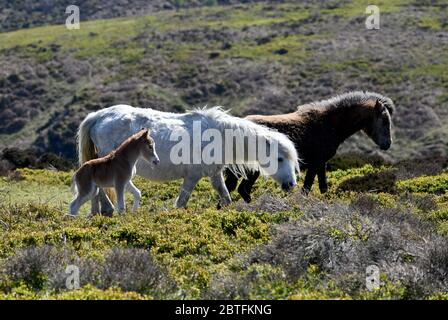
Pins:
x,y
286,161
274,155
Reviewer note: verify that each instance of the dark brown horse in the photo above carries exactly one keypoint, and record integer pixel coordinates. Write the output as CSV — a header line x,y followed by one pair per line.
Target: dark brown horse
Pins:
x,y
317,129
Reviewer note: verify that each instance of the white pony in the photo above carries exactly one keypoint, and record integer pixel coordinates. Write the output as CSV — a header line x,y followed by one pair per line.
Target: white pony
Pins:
x,y
104,130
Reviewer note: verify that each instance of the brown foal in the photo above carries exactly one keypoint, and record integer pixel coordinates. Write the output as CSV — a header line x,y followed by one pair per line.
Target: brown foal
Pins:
x,y
113,171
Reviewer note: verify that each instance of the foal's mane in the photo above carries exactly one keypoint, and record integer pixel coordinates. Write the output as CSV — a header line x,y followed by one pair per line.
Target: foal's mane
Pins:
x,y
349,99
129,140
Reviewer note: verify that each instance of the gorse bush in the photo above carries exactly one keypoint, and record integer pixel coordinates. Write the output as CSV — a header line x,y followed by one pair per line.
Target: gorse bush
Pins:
x,y
428,184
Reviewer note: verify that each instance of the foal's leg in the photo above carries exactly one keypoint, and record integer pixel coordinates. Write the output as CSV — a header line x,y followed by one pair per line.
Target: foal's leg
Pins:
x,y
95,203
309,179
135,193
231,180
82,197
121,205
245,188
185,191
220,186
322,177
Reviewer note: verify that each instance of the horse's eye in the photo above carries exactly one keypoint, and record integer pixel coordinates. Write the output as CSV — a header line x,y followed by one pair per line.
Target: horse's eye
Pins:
x,y
280,159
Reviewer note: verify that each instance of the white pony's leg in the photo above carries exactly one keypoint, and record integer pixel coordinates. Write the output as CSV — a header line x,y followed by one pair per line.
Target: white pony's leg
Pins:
x,y
219,185
135,193
121,205
185,191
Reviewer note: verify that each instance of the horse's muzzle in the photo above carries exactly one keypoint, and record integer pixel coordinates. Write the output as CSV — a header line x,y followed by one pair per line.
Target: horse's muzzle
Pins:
x,y
156,161
385,146
288,186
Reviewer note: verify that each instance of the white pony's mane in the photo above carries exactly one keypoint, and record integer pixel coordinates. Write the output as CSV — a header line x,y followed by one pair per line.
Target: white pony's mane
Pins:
x,y
223,120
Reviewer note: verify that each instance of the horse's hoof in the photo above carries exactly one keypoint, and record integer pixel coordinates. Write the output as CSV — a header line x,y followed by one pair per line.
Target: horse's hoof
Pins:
x,y
305,191
247,198
69,216
107,213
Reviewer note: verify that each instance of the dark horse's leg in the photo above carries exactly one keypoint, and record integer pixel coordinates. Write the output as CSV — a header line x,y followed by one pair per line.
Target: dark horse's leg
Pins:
x,y
246,185
231,180
321,175
309,179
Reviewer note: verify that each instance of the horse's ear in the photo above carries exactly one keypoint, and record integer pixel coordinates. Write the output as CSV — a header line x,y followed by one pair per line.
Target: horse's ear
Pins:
x,y
378,103
379,106
143,132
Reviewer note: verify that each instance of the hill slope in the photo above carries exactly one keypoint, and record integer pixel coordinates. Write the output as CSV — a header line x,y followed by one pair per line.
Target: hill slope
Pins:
x,y
253,58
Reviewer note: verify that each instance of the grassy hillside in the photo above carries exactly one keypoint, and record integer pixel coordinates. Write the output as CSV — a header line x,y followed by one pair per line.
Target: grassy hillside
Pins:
x,y
281,246
388,209
26,13
253,58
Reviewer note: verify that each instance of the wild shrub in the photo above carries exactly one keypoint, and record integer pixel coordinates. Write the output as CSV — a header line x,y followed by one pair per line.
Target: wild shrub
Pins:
x,y
36,267
44,267
338,241
429,166
350,160
342,240
266,203
382,181
428,184
134,270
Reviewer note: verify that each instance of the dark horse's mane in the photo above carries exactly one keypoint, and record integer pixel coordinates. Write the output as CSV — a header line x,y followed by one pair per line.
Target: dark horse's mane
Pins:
x,y
349,99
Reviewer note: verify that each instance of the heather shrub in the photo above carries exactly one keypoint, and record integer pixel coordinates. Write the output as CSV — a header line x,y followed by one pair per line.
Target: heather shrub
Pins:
x,y
44,267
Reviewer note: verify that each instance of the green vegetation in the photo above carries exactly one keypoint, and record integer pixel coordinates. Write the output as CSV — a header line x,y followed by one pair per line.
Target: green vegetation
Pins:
x,y
199,247
435,184
252,58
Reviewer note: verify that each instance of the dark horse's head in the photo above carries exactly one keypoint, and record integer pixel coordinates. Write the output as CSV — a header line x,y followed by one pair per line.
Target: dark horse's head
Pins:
x,y
379,128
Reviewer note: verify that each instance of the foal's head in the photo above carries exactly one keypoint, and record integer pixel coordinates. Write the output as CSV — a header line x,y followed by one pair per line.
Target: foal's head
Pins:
x,y
147,147
379,126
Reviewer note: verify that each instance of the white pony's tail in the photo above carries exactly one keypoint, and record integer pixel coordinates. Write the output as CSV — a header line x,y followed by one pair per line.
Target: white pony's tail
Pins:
x,y
86,148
